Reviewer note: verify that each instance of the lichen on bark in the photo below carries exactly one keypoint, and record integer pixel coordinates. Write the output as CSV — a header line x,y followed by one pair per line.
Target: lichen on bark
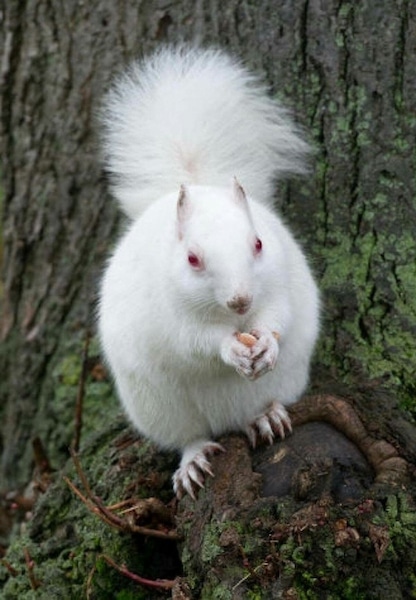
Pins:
x,y
358,86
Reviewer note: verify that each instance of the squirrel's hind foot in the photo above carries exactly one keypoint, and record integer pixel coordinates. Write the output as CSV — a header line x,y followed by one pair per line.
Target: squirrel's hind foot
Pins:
x,y
194,468
274,421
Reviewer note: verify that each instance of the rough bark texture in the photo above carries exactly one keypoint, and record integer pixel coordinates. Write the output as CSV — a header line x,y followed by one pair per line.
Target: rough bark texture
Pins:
x,y
348,71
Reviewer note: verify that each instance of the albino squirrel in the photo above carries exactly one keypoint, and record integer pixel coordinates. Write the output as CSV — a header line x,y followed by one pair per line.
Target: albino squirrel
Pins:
x,y
204,259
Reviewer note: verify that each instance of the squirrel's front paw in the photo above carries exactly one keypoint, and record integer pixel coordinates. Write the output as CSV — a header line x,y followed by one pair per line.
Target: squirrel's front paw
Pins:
x,y
236,354
264,352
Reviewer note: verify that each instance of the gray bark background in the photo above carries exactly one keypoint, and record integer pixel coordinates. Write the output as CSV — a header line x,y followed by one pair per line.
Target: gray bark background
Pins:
x,y
348,72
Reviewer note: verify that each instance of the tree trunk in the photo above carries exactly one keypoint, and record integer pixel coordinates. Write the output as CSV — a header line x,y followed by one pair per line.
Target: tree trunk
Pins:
x,y
348,72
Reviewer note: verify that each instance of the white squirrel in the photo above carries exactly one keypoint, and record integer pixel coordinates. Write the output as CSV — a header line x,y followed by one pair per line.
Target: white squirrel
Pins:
x,y
203,258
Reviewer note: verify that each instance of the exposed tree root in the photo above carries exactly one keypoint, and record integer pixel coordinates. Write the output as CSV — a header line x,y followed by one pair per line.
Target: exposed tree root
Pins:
x,y
389,467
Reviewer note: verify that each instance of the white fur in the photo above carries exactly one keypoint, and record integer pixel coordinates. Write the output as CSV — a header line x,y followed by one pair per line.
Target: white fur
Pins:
x,y
167,330
188,116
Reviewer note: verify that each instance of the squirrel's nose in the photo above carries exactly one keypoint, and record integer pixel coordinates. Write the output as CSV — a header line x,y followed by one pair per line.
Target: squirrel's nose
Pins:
x,y
240,304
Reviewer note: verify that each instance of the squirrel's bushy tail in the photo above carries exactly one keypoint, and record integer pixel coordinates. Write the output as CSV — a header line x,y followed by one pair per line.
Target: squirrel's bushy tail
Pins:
x,y
194,116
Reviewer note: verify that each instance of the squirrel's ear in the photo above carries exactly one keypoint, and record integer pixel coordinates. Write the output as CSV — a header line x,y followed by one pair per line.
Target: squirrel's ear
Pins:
x,y
239,193
240,197
183,209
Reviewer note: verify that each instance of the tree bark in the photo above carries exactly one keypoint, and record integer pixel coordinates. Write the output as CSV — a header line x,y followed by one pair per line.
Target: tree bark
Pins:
x,y
348,73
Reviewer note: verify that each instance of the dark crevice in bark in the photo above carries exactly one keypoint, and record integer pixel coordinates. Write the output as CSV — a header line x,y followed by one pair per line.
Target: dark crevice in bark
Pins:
x,y
303,33
400,56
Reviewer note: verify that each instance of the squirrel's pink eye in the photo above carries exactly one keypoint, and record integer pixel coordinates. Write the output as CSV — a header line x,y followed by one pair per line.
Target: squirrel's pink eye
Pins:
x,y
194,260
258,245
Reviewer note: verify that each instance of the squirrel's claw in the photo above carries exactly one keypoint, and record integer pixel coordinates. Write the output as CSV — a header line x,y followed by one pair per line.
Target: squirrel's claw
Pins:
x,y
279,419
193,468
274,421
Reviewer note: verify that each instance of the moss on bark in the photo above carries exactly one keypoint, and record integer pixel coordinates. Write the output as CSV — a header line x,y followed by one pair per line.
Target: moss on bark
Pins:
x,y
66,540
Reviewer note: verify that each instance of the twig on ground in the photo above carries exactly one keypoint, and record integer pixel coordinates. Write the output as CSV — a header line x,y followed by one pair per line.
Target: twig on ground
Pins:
x,y
89,581
30,564
96,506
13,572
161,584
